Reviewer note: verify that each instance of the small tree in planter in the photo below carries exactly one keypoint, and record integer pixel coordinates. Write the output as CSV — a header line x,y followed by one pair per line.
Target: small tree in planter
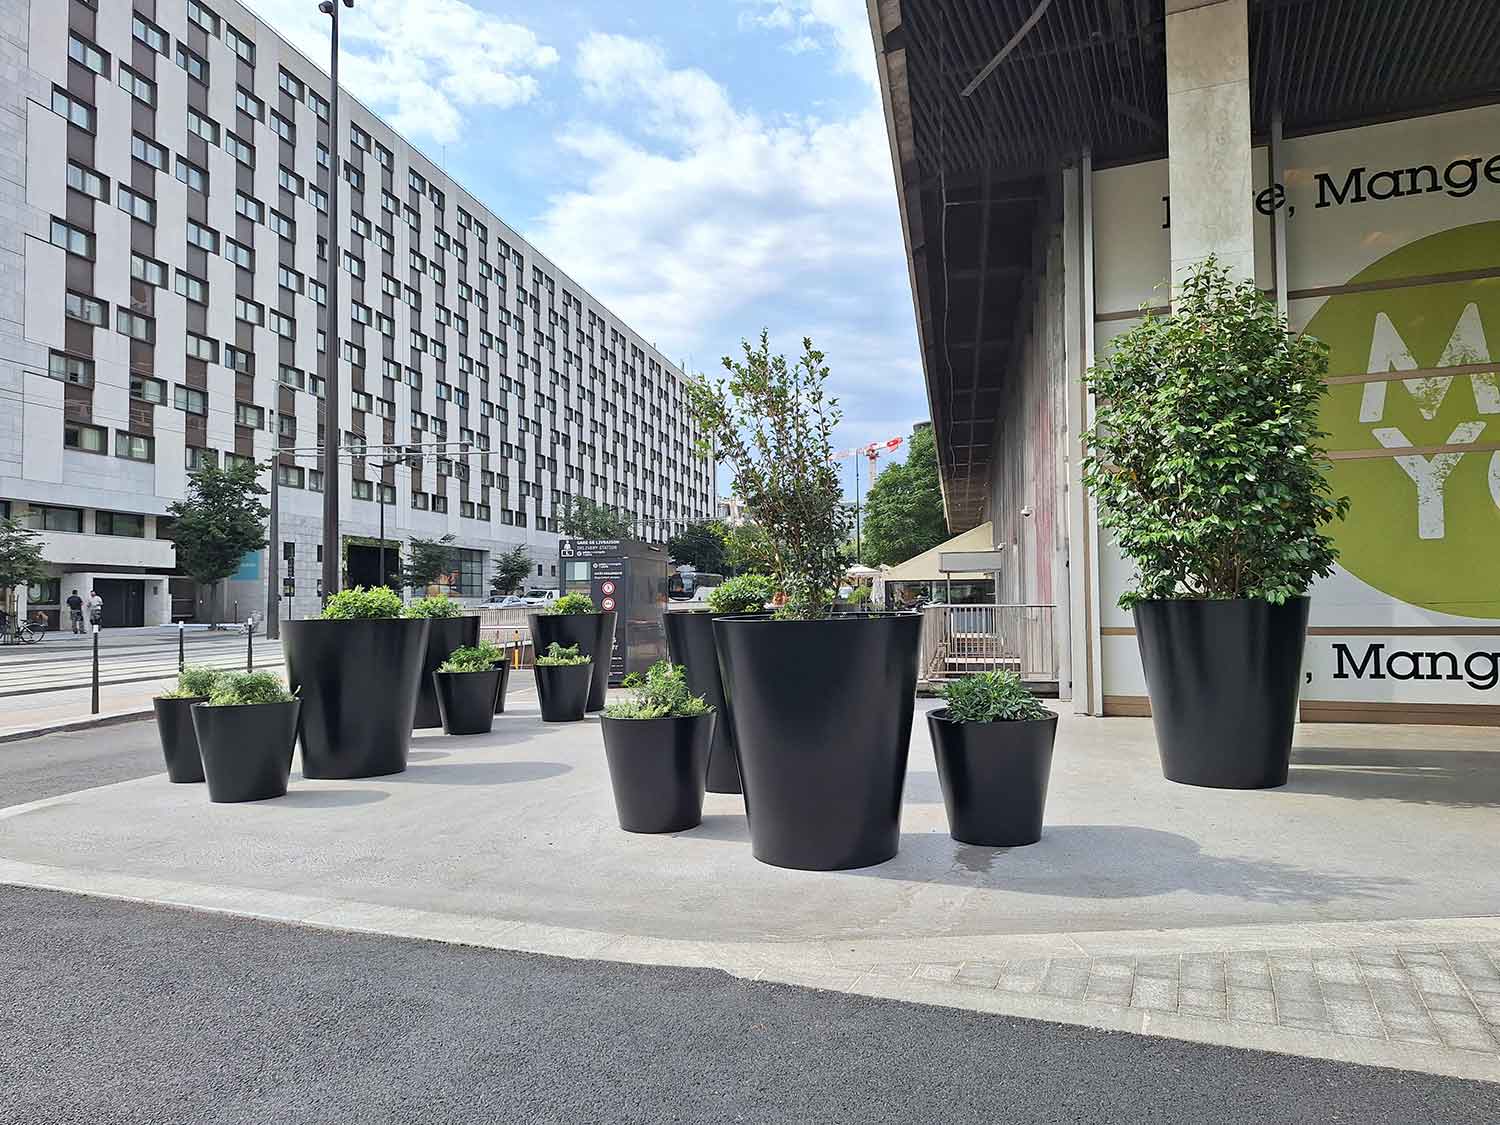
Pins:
x,y
1206,463
247,731
467,684
820,706
574,620
356,670
657,743
993,745
451,627
562,683
174,721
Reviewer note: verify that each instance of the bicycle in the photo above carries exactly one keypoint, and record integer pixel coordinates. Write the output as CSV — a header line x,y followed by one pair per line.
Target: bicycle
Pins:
x,y
27,633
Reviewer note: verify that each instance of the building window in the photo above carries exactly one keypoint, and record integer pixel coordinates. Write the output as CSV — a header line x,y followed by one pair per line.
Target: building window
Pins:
x,y
148,270
289,279
239,360
136,326
419,501
319,105
126,524
149,34
138,86
43,517
283,226
194,458
71,369
240,149
136,205
240,45
439,503
72,239
292,377
192,175
193,288
195,65
85,54
88,181
470,573
248,414
148,152
290,85
291,476
205,238
249,311
283,325
77,112
147,389
249,208
363,490
248,103
201,126
134,447
240,254
203,17
283,128
84,438
190,400
90,310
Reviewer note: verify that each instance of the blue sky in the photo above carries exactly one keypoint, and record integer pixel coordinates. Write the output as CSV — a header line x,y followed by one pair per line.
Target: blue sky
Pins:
x,y
704,168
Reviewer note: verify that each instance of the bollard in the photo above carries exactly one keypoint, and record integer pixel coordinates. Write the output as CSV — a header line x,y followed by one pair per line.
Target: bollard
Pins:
x,y
96,671
181,650
250,646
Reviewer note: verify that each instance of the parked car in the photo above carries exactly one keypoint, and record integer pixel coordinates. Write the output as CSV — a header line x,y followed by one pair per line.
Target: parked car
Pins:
x,y
508,601
685,584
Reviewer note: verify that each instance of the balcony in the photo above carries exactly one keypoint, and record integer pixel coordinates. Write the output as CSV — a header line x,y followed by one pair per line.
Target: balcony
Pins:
x,y
72,549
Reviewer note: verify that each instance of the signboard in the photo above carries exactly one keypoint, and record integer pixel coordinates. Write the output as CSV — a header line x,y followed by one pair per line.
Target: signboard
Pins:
x,y
590,548
965,562
249,570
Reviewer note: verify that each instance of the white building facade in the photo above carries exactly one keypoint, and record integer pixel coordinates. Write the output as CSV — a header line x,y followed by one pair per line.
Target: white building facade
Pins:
x,y
164,175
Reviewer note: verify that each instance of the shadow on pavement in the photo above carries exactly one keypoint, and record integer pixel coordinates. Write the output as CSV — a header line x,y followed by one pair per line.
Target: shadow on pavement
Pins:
x,y
481,773
1464,779
731,828
326,798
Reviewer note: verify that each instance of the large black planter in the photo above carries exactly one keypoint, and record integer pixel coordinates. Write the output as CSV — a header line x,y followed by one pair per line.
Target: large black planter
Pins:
x,y
690,642
466,700
593,633
1223,679
563,691
247,750
994,777
179,743
443,636
656,769
504,670
822,714
357,681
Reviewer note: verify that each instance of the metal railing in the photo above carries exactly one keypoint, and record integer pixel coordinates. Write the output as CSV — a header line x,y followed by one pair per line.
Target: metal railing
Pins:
x,y
960,639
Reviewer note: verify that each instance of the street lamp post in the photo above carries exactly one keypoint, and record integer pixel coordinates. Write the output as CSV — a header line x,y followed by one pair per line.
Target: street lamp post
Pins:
x,y
273,550
332,430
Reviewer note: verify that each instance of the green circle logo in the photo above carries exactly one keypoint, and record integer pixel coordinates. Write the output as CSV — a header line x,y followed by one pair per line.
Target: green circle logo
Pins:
x,y
1424,523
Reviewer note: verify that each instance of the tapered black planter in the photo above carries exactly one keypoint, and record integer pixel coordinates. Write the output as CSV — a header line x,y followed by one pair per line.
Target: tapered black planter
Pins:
x,y
822,714
563,691
444,634
593,633
690,642
504,670
179,742
466,700
994,777
357,681
1223,679
247,750
657,768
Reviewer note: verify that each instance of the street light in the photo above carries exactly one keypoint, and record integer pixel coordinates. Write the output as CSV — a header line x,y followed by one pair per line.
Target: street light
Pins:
x,y
330,363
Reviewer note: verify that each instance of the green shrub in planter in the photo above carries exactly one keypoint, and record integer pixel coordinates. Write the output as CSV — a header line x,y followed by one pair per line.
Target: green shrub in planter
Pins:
x,y
991,697
661,694
657,745
482,657
440,606
559,656
358,603
860,595
243,689
744,593
246,733
196,681
571,603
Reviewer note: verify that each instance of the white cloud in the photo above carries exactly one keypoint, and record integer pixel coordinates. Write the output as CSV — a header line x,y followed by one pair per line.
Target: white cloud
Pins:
x,y
420,63
842,25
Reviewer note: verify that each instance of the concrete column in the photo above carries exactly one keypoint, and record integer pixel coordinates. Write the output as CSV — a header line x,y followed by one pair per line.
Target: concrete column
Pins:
x,y
1208,135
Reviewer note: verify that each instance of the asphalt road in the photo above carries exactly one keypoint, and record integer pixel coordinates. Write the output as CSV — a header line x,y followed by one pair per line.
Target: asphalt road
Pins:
x,y
65,763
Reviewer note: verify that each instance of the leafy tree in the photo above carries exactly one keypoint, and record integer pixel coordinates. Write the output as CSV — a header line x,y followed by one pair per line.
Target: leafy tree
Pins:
x,y
21,561
774,422
904,512
700,546
582,518
512,568
219,522
1205,456
427,561
747,548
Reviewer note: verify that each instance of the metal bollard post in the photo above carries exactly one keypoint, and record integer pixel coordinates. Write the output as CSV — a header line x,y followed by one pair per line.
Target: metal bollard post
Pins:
x,y
250,646
95,710
181,650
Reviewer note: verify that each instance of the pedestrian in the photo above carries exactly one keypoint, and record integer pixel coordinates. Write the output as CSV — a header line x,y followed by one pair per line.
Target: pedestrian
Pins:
x,y
75,611
96,607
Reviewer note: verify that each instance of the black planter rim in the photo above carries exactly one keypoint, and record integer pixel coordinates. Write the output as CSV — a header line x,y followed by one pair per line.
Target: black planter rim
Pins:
x,y
660,718
770,617
940,714
1225,601
179,699
248,706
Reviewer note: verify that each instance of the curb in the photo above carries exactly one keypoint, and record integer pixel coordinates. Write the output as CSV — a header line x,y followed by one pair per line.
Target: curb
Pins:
x,y
76,724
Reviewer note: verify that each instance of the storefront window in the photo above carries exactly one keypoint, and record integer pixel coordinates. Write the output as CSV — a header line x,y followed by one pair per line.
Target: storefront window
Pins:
x,y
470,573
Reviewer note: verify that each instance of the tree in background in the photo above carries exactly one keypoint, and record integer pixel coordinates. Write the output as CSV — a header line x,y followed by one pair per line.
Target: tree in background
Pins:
x,y
904,512
582,518
219,522
747,549
512,568
427,561
701,546
21,561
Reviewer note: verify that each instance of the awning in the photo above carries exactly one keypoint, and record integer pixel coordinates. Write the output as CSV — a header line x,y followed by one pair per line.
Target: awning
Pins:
x,y
924,567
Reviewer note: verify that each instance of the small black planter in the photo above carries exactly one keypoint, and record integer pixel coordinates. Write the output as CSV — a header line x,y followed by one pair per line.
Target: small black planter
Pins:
x,y
504,670
822,714
1223,679
444,634
563,690
357,681
994,777
690,642
657,768
593,633
247,750
179,743
467,700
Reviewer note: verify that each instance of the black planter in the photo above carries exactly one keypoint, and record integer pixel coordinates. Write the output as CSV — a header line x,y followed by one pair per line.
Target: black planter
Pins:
x,y
690,642
467,700
822,714
593,633
563,691
444,634
357,681
179,743
994,777
1223,679
504,670
657,768
247,751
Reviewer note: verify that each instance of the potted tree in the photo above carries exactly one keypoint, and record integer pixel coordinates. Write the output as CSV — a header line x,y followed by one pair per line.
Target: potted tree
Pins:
x,y
657,745
449,628
562,683
356,671
820,705
174,721
1206,464
690,642
573,620
247,730
993,744
466,684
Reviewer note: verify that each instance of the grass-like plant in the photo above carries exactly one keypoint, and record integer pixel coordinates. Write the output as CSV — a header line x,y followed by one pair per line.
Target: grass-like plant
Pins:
x,y
661,694
439,606
860,595
196,681
1205,456
571,603
744,593
241,689
483,657
358,603
560,656
992,697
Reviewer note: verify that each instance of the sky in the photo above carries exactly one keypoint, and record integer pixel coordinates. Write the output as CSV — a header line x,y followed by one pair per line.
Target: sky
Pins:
x,y
705,168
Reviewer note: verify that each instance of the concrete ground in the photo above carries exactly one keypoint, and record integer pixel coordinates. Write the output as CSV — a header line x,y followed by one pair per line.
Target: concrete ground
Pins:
x,y
1352,914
